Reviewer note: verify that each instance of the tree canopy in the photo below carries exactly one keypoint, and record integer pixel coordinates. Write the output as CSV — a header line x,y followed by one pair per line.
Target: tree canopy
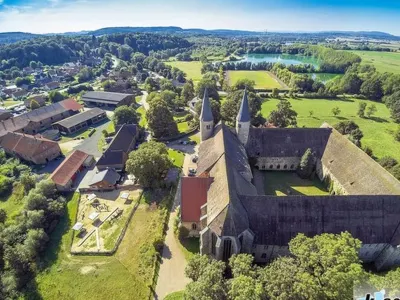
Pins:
x,y
125,115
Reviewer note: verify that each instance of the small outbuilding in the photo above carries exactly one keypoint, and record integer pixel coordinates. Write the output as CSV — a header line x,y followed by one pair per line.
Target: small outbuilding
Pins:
x,y
105,180
107,99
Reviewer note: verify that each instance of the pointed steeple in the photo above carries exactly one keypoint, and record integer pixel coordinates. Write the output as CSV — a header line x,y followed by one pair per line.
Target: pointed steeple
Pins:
x,y
206,113
244,114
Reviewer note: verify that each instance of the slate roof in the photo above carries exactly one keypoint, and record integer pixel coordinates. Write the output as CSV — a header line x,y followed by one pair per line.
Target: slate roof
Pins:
x,y
276,220
108,175
206,113
68,167
194,195
120,146
81,117
105,97
244,114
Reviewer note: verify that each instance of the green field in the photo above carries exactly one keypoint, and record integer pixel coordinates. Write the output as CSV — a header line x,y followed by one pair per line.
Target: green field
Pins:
x,y
289,183
183,127
262,79
176,157
14,203
383,61
378,131
191,68
125,275
142,115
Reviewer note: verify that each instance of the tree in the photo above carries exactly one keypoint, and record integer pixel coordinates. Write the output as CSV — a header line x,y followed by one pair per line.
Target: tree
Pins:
x,y
188,91
350,83
160,120
5,185
336,111
244,83
388,162
196,266
34,104
275,93
284,116
28,182
242,265
125,115
346,127
393,103
372,88
151,85
149,164
307,164
371,110
311,113
55,96
3,217
86,74
245,288
215,109
397,134
211,86
361,109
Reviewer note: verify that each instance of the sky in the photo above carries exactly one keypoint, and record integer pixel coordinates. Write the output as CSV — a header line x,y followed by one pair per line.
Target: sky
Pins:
x,y
54,16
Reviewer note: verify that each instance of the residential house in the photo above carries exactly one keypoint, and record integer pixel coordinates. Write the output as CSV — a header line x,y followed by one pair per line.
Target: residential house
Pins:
x,y
117,152
39,99
30,148
105,180
52,85
81,121
107,99
65,175
19,94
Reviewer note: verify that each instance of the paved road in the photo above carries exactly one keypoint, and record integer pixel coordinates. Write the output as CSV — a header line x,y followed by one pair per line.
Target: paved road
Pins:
x,y
89,145
171,277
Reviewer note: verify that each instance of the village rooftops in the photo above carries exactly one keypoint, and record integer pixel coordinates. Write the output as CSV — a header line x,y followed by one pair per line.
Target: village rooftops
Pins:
x,y
81,117
105,97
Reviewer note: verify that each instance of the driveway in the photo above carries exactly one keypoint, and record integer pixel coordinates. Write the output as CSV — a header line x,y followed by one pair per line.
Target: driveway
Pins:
x,y
89,145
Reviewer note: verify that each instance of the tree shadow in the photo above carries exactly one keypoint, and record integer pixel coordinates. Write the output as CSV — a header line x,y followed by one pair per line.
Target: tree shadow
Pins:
x,y
378,119
191,244
341,118
166,253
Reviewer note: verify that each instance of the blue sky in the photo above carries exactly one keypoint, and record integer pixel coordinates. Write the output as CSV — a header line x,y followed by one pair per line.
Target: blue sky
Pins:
x,y
43,16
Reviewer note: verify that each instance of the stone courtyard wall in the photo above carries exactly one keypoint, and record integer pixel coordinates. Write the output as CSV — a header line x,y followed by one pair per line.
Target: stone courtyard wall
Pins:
x,y
277,163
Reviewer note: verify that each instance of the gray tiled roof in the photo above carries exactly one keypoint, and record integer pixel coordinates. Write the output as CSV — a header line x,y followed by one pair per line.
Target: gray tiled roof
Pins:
x,y
81,117
108,175
244,114
105,97
206,113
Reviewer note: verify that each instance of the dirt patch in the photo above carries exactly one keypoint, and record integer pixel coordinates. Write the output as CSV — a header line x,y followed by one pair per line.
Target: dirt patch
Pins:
x,y
69,146
87,269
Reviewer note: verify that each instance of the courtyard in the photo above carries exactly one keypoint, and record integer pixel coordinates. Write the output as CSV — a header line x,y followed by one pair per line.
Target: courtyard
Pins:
x,y
101,218
287,183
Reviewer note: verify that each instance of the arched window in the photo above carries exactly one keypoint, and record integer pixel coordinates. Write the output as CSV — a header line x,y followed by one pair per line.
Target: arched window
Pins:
x,y
194,226
292,167
278,167
271,166
263,167
285,166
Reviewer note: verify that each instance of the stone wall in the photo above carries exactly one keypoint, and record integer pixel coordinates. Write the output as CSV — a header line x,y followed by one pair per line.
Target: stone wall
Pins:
x,y
190,228
277,163
326,176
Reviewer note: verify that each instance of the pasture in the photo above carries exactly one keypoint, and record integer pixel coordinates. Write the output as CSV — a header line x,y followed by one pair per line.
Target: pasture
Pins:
x,y
191,68
382,61
262,79
378,130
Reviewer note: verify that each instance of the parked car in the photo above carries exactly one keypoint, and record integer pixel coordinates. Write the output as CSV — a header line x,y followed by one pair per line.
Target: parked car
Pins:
x,y
195,158
192,172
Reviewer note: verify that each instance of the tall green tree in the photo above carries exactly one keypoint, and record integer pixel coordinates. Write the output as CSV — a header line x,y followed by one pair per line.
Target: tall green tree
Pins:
x,y
160,119
284,115
125,115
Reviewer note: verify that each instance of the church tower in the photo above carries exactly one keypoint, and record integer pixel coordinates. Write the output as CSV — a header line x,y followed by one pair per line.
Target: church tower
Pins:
x,y
206,118
243,120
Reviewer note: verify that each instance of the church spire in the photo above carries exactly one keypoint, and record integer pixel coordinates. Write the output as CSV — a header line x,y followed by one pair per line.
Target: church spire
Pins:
x,y
206,113
244,114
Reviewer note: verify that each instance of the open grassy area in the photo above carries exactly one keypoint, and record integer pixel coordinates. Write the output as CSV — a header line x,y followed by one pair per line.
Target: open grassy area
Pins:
x,y
262,79
195,137
176,157
378,130
191,68
383,61
175,296
189,246
14,203
125,275
142,114
183,127
289,183
138,99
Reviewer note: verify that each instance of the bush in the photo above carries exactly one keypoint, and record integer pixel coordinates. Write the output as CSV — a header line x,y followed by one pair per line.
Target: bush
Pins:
x,y
183,232
105,133
92,132
397,134
388,162
368,151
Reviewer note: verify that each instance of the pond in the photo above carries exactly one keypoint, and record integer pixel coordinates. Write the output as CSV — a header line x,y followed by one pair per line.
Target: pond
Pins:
x,y
287,59
324,77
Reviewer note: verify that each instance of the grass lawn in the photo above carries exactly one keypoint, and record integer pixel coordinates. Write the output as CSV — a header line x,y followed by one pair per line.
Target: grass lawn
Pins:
x,y
111,128
289,183
176,157
183,127
175,296
378,131
13,204
262,79
195,137
8,103
383,61
191,68
125,275
138,99
189,246
142,114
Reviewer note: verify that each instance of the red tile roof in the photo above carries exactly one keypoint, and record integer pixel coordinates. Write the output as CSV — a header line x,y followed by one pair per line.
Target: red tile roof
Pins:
x,y
25,144
71,104
193,196
68,167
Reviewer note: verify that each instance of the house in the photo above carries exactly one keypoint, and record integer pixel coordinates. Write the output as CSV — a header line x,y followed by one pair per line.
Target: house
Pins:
x,y
105,180
107,99
27,71
40,119
9,90
192,103
39,99
65,175
52,85
50,134
19,94
80,121
239,217
117,152
30,148
5,114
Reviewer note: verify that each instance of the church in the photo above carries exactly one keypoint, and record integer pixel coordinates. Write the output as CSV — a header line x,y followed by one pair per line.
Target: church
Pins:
x,y
231,214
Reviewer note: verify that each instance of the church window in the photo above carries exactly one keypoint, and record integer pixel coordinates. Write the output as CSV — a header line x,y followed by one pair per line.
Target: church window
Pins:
x,y
194,226
278,167
271,166
292,167
239,125
263,167
285,166
213,243
264,256
208,127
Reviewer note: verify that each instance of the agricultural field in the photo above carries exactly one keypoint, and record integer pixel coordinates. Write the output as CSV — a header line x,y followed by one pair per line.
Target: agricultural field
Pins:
x,y
382,61
262,79
191,68
128,274
378,130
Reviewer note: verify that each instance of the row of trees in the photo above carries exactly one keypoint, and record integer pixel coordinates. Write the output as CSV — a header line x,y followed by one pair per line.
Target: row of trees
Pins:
x,y
323,267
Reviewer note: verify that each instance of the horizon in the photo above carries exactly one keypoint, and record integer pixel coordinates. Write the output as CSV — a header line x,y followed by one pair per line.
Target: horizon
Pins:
x,y
39,17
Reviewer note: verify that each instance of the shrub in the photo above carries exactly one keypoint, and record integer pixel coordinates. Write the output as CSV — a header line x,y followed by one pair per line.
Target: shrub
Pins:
x,y
388,162
397,134
92,132
368,150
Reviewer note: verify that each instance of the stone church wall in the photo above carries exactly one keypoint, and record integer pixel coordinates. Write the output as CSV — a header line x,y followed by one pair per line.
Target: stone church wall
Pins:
x,y
267,253
326,176
277,163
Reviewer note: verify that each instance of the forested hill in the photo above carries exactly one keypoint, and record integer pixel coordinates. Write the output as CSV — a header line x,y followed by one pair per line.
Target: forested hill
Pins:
x,y
12,37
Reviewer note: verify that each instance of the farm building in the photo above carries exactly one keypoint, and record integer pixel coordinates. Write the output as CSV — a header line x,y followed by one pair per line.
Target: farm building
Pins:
x,y
80,121
30,148
107,99
64,176
40,119
105,180
117,152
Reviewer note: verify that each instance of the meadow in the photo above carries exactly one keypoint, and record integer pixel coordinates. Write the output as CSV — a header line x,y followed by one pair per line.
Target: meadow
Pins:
x,y
262,79
125,275
378,130
191,68
382,61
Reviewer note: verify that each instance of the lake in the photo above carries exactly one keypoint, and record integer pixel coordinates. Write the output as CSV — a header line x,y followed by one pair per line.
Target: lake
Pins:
x,y
287,59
